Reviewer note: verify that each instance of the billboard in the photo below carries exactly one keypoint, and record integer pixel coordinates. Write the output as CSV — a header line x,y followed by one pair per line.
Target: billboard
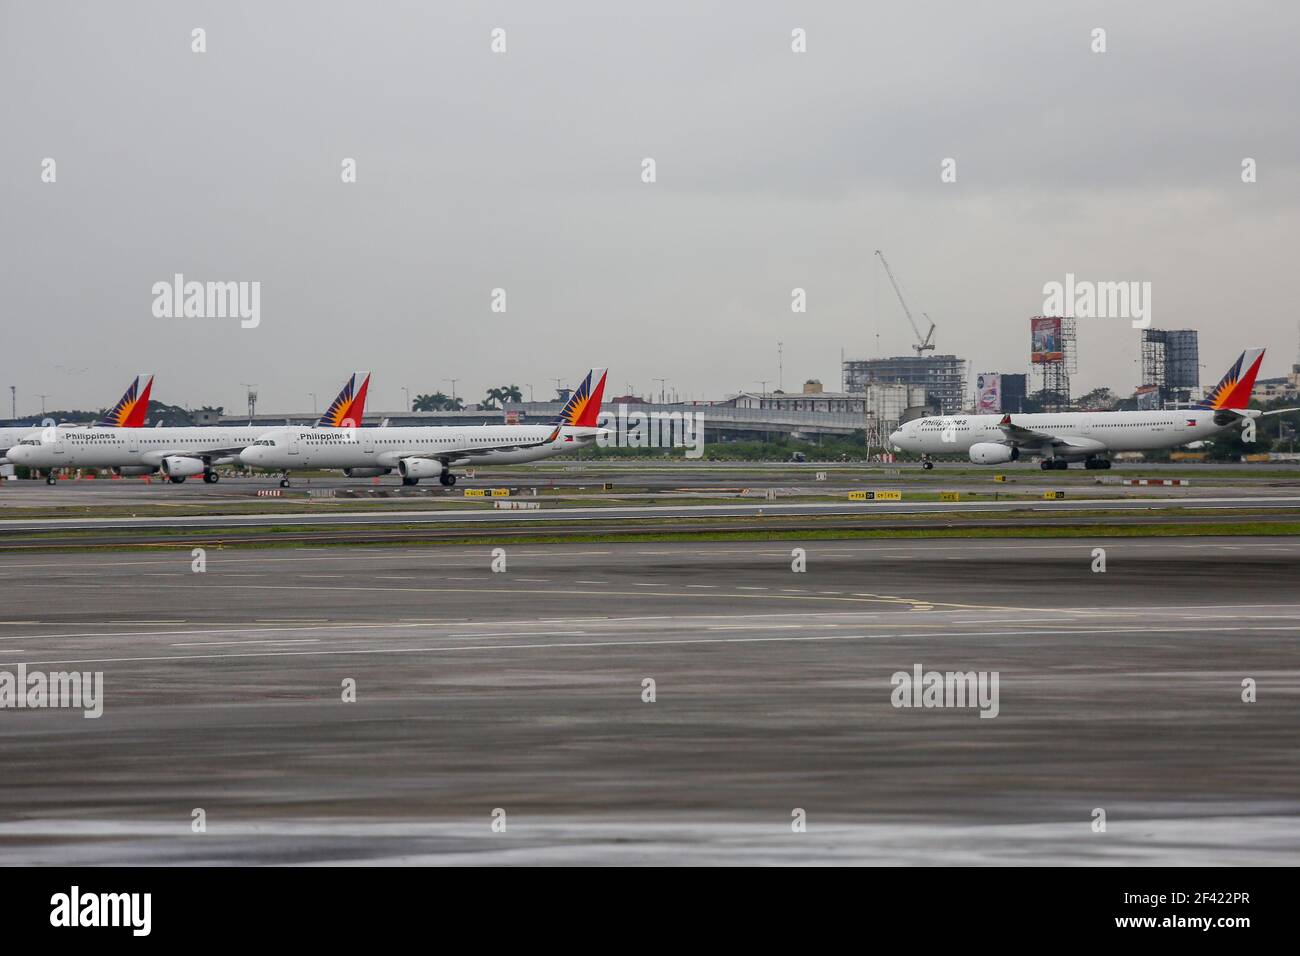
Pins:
x,y
988,393
1047,345
1148,397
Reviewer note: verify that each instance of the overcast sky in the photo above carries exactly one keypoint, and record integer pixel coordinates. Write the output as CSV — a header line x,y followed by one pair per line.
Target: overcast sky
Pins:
x,y
522,171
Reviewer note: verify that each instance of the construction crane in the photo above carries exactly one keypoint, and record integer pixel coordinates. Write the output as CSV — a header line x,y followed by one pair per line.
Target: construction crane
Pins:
x,y
922,344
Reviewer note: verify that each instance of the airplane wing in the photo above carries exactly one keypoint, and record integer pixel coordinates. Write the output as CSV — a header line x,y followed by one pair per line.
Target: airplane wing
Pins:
x,y
478,449
213,456
1028,437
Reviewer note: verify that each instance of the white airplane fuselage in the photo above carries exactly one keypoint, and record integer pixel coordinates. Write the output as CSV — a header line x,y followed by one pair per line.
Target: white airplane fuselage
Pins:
x,y
1084,434
132,447
384,448
9,437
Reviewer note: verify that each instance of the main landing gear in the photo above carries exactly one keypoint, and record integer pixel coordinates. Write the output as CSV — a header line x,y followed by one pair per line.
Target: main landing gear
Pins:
x,y
211,477
1094,463
176,479
447,479
408,482
1053,464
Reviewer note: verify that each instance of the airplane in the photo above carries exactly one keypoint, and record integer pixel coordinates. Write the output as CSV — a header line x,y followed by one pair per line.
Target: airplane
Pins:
x,y
177,452
431,452
129,412
1059,438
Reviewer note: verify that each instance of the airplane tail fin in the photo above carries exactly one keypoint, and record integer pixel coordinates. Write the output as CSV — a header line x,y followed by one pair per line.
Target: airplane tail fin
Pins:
x,y
1233,390
132,407
347,410
583,406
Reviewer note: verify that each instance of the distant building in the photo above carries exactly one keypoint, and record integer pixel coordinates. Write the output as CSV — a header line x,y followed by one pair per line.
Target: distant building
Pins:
x,y
1171,362
942,376
1015,389
806,401
888,406
1270,389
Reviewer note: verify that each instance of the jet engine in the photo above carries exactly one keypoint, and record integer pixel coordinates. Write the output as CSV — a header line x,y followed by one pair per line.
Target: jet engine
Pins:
x,y
993,453
178,466
420,467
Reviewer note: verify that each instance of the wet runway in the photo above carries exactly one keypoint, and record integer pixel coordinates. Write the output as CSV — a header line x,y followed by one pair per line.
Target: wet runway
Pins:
x,y
522,691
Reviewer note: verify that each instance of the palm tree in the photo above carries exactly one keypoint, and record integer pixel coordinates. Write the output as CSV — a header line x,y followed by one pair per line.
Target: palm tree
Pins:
x,y
511,393
430,403
494,397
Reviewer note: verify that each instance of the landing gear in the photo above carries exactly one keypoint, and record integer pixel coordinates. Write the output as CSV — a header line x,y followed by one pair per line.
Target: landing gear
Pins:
x,y
447,478
927,464
410,481
50,479
284,482
176,479
1094,463
1053,464
211,477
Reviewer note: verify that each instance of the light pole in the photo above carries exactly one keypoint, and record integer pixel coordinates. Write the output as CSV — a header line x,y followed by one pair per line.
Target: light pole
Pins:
x,y
406,399
662,382
530,392
315,405
43,398
453,386
252,398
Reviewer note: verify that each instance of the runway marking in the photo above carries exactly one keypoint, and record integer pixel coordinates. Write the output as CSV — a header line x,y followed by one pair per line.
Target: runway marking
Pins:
x,y
311,640
1012,620
574,645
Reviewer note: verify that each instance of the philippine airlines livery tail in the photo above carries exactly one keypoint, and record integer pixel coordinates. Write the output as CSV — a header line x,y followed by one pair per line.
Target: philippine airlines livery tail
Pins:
x,y
583,406
131,408
347,410
1233,391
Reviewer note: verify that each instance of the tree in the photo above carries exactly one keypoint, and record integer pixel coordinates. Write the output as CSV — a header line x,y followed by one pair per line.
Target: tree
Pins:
x,y
497,397
1099,399
437,402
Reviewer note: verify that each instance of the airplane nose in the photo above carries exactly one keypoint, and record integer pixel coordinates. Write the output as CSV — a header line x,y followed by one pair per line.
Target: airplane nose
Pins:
x,y
251,456
18,454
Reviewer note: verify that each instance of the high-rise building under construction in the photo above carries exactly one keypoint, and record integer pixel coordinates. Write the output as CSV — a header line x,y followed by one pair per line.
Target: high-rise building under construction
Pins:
x,y
942,376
